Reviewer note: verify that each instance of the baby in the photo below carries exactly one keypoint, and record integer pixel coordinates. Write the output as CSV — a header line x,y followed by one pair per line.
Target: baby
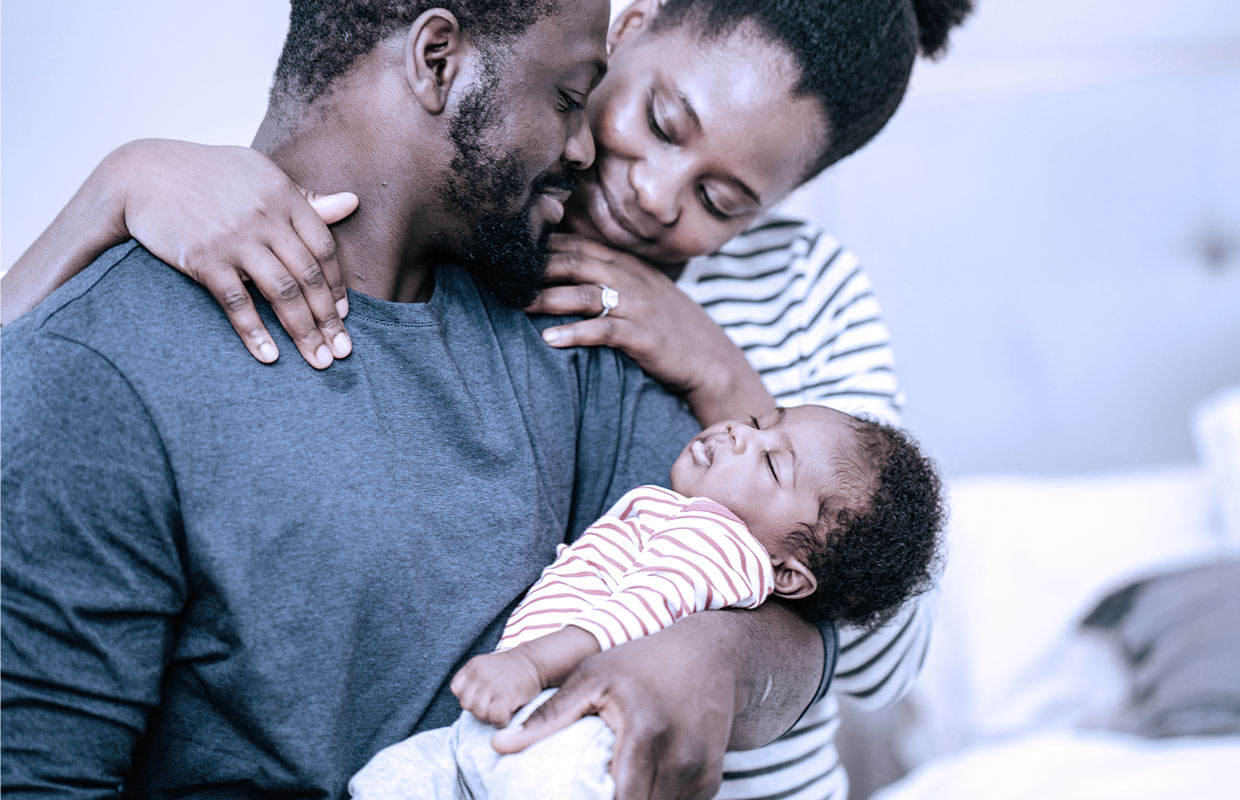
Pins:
x,y
837,516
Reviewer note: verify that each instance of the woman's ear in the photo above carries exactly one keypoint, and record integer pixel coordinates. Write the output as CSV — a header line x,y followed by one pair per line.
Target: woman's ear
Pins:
x,y
434,52
793,580
633,19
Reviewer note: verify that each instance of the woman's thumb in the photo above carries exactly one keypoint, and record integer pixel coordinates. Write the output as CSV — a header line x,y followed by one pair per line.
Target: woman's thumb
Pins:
x,y
332,207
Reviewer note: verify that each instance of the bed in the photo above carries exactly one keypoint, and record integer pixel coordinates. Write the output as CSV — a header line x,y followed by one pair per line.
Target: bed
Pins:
x,y
1087,642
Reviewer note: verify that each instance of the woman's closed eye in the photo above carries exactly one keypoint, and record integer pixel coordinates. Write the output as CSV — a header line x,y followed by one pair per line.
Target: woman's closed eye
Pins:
x,y
711,206
659,129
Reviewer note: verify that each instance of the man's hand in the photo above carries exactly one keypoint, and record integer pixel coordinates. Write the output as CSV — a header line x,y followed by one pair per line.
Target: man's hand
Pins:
x,y
676,699
493,686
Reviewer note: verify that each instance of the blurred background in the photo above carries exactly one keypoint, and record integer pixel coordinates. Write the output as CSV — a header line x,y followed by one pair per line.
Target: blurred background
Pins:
x,y
1052,221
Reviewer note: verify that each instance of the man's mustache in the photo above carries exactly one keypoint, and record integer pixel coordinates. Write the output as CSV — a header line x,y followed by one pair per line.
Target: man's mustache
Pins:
x,y
555,179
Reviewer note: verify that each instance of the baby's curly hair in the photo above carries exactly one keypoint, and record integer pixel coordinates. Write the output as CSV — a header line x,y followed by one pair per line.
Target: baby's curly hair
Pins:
x,y
878,537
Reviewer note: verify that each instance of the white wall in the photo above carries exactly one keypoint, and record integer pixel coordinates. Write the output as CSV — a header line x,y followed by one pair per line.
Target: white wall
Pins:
x,y
79,77
1053,222
1052,219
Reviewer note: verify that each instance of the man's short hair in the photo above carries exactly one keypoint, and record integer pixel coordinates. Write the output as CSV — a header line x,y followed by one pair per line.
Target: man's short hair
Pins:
x,y
325,37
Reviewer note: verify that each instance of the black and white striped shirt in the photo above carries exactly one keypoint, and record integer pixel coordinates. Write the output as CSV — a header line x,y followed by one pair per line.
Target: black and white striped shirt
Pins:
x,y
803,310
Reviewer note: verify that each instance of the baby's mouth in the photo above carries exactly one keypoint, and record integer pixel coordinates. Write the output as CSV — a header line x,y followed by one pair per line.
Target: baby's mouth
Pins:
x,y
703,452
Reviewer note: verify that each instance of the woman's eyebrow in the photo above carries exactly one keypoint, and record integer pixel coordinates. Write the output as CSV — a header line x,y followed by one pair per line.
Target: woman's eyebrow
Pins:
x,y
687,105
744,189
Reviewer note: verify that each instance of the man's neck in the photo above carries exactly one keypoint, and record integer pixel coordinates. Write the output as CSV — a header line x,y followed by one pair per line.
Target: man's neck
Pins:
x,y
382,246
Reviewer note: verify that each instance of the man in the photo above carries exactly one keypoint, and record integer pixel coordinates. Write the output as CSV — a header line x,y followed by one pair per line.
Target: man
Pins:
x,y
195,606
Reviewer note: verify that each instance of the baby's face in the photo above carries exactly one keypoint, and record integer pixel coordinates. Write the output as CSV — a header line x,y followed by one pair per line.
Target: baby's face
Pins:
x,y
771,471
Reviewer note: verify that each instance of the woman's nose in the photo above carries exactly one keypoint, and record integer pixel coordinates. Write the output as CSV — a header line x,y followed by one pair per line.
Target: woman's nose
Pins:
x,y
655,186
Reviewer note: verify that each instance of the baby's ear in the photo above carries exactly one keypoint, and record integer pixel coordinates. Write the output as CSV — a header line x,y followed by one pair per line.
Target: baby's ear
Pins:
x,y
793,580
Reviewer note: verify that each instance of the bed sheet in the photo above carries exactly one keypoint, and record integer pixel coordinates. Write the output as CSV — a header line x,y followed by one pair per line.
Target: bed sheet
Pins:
x,y
1076,765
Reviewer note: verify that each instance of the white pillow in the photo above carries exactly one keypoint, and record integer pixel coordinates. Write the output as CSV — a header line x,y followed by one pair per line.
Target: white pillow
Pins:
x,y
1216,428
1027,558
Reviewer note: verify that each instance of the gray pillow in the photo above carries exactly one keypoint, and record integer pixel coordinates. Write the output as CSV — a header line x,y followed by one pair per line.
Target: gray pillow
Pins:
x,y
1180,635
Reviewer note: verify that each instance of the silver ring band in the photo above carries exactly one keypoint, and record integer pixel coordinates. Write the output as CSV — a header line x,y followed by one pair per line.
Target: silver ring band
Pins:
x,y
611,299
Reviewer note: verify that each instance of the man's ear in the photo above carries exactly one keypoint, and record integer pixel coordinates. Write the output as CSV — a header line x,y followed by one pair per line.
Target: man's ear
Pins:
x,y
434,52
632,20
793,580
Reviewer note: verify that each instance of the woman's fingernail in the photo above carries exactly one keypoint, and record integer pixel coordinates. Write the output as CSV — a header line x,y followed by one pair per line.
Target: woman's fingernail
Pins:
x,y
323,355
551,336
342,307
341,346
268,352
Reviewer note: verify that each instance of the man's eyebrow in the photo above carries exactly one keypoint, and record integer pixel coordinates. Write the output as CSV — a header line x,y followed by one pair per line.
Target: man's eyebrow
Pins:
x,y
600,69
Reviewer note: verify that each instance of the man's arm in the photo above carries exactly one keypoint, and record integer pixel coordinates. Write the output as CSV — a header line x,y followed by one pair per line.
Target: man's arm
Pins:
x,y
91,570
678,699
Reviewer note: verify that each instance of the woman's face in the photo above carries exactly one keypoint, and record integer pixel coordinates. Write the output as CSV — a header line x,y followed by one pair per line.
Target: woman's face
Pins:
x,y
693,140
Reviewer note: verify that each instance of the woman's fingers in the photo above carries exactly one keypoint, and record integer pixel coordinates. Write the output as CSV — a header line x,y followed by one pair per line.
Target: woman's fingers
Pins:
x,y
585,299
274,281
575,258
226,286
329,208
310,271
596,331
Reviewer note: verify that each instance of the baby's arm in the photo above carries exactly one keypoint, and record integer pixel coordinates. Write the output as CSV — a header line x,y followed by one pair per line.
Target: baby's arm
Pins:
x,y
494,685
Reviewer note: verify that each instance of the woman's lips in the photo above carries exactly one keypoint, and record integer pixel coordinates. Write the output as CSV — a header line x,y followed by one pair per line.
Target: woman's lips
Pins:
x,y
618,229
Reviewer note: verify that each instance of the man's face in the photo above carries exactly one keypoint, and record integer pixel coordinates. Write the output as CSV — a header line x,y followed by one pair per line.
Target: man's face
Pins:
x,y
518,136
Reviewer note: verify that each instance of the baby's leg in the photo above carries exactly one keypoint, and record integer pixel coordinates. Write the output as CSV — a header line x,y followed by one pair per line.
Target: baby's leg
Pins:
x,y
417,768
571,764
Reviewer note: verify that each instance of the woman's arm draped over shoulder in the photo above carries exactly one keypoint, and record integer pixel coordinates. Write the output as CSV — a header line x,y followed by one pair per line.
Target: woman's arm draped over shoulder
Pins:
x,y
93,221
220,215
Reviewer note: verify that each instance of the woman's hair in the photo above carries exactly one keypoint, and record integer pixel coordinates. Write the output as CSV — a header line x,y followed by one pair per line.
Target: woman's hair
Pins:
x,y
878,537
855,56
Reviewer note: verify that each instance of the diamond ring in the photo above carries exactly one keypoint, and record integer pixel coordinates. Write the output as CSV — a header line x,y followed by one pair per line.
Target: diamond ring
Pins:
x,y
611,299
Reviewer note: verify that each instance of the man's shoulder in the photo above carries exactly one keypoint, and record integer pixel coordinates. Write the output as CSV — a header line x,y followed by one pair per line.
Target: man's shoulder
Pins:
x,y
124,301
125,292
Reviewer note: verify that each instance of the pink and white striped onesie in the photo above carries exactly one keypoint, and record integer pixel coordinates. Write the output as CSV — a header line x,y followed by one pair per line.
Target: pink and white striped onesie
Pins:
x,y
655,557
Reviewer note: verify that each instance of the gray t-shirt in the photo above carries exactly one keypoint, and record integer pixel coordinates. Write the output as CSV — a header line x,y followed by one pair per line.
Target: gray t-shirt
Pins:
x,y
223,578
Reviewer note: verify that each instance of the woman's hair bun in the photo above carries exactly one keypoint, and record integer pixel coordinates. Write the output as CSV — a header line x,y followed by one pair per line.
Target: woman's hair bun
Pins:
x,y
935,20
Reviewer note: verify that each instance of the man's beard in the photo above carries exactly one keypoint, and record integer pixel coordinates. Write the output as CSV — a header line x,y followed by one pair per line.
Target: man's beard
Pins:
x,y
502,251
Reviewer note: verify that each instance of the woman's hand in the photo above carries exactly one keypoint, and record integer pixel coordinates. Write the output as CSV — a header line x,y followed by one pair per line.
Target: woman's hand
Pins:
x,y
656,324
222,215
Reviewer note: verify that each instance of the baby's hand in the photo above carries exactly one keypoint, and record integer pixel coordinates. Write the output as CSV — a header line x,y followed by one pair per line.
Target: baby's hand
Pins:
x,y
494,686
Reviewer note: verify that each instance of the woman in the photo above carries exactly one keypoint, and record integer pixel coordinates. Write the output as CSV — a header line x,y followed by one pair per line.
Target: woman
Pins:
x,y
692,124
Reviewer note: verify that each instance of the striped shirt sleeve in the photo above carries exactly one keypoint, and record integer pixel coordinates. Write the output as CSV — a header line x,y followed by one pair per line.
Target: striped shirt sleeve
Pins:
x,y
701,558
586,572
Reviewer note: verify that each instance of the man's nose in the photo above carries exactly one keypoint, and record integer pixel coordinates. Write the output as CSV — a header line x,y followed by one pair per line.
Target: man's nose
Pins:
x,y
579,147
656,187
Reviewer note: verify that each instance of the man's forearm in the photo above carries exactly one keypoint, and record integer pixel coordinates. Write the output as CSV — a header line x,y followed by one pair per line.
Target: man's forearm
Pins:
x,y
777,660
